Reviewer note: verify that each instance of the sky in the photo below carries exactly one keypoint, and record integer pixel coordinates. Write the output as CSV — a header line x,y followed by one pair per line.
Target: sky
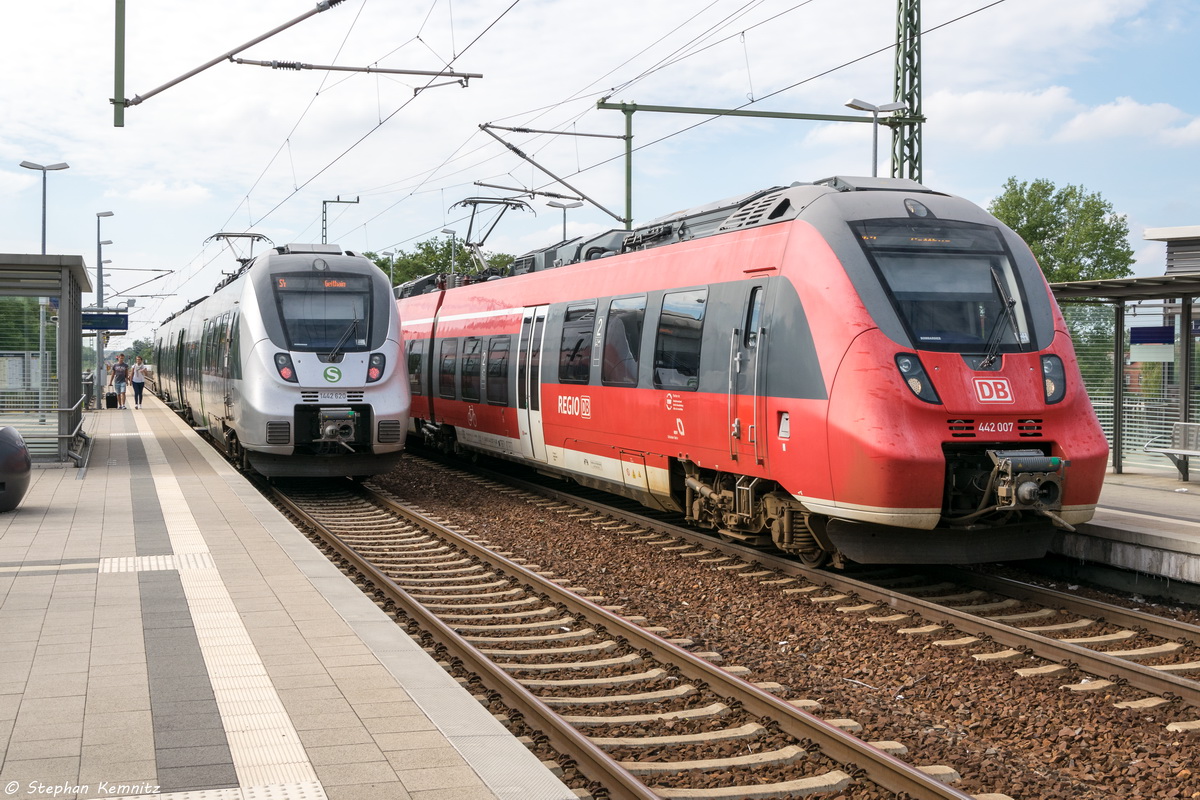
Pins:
x,y
1095,93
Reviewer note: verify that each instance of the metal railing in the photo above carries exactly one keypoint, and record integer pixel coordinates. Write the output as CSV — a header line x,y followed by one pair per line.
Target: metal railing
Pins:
x,y
40,428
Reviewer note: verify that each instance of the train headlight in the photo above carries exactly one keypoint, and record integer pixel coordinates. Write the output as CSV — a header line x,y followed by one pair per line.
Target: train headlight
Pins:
x,y
375,366
915,378
283,365
1054,379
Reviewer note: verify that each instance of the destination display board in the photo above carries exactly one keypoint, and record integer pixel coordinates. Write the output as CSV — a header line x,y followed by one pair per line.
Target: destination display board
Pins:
x,y
105,321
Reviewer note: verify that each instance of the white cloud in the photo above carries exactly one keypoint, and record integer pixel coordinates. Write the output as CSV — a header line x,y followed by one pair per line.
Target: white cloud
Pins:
x,y
164,194
990,119
1125,117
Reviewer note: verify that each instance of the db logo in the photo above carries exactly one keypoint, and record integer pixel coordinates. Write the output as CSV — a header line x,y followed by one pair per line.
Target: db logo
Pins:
x,y
993,390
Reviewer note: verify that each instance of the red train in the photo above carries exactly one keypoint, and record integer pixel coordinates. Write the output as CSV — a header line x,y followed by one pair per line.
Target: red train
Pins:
x,y
858,367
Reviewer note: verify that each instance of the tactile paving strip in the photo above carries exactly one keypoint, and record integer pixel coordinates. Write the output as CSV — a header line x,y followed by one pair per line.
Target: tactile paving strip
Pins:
x,y
267,754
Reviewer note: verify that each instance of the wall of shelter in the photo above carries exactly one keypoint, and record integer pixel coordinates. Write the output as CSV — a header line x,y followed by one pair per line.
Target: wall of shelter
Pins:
x,y
1152,348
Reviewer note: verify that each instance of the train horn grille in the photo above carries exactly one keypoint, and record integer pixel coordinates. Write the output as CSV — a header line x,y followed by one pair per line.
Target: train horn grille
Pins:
x,y
279,432
390,431
961,428
1029,428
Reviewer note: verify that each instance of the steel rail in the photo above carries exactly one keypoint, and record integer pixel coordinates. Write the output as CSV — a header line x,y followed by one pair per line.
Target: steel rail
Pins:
x,y
882,768
1092,661
592,761
1152,624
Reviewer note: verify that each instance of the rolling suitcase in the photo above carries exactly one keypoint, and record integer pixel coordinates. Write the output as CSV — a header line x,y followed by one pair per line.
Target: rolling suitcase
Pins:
x,y
110,400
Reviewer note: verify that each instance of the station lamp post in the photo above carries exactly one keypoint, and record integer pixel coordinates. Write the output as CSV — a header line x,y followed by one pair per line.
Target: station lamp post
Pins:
x,y
863,105
100,377
453,253
391,267
44,168
564,207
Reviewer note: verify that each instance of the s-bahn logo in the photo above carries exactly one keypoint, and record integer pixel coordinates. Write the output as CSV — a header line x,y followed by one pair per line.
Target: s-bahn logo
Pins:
x,y
993,390
333,374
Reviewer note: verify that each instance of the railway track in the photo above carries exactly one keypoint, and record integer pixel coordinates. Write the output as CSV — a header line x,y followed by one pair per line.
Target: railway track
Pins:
x,y
637,713
995,618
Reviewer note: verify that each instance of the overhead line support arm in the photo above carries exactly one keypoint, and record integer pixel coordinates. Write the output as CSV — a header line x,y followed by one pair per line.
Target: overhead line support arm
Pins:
x,y
486,129
324,5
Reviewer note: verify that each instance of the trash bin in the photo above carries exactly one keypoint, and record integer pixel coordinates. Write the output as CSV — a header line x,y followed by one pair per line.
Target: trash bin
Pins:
x,y
15,465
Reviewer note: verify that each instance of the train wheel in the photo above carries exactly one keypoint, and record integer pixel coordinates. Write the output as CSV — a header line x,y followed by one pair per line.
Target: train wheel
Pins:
x,y
814,558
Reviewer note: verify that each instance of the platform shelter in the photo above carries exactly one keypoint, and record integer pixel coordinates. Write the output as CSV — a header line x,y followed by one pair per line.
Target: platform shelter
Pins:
x,y
41,349
1147,378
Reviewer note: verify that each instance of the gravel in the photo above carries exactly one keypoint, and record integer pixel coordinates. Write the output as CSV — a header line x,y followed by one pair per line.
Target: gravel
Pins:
x,y
1026,737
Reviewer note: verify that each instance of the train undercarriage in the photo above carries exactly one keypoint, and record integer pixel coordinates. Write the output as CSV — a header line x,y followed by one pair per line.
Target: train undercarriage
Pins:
x,y
998,504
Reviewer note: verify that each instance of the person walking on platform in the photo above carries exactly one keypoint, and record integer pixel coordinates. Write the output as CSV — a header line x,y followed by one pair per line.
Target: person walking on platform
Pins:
x,y
137,377
120,374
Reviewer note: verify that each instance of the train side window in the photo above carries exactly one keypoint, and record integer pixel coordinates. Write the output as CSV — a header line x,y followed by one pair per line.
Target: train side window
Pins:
x,y
575,354
623,341
471,358
416,350
677,348
447,365
497,371
753,317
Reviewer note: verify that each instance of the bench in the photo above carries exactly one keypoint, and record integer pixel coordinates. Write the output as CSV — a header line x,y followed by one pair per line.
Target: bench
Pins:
x,y
1185,442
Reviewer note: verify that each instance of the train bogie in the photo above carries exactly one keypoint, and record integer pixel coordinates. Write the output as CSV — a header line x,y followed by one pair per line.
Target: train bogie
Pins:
x,y
860,367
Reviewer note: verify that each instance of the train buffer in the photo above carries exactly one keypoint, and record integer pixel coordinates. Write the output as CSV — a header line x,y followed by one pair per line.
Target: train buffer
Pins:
x,y
1185,442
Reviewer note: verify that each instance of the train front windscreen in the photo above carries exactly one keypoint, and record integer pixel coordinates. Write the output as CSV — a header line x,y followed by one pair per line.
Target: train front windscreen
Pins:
x,y
324,312
952,284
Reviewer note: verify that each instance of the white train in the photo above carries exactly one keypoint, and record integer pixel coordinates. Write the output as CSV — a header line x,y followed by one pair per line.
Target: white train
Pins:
x,y
293,365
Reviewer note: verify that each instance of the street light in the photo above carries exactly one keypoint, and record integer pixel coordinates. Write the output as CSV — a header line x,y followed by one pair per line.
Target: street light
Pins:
x,y
43,300
564,207
862,105
391,267
44,170
453,252
99,378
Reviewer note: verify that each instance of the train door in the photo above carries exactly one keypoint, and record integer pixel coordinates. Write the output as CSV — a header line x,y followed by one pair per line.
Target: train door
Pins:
x,y
529,361
181,372
747,403
223,371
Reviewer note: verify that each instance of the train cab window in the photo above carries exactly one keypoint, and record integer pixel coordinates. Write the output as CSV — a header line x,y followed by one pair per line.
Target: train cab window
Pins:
x,y
575,355
471,367
447,365
677,348
753,317
623,341
497,371
952,283
324,311
416,351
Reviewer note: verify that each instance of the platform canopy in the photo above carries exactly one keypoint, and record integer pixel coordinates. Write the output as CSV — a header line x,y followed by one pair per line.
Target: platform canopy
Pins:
x,y
1113,290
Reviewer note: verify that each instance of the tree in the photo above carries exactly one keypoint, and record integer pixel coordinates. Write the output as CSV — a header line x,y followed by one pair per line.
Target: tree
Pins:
x,y
1075,236
433,256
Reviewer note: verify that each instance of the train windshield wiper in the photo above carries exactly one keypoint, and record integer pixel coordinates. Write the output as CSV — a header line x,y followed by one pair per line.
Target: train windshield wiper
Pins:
x,y
997,335
352,328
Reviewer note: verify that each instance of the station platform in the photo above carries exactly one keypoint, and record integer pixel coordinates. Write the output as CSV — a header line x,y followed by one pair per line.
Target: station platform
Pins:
x,y
1148,523
165,632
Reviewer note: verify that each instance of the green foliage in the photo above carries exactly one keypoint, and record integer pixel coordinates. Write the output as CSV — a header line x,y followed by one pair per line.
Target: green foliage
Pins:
x,y
1075,236
140,347
431,257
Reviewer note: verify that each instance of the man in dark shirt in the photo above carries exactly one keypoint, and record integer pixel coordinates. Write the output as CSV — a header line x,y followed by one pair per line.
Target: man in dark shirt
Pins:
x,y
120,373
